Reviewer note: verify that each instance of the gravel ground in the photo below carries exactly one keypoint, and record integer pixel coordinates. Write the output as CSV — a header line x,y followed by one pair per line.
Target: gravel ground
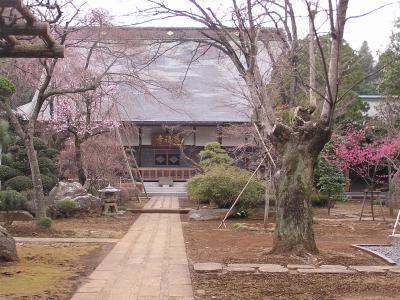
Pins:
x,y
392,252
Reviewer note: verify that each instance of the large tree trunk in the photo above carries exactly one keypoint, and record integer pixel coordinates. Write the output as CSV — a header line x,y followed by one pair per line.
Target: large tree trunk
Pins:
x,y
78,161
293,187
36,178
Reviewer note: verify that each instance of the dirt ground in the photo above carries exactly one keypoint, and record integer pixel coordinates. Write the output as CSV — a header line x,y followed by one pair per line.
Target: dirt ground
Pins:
x,y
55,270
51,271
246,241
93,227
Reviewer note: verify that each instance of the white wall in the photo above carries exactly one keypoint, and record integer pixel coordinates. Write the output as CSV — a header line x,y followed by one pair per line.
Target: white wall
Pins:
x,y
146,136
232,140
205,134
189,140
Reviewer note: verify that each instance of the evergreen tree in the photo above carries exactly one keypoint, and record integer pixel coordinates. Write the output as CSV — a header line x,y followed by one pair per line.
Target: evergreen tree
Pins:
x,y
368,70
389,83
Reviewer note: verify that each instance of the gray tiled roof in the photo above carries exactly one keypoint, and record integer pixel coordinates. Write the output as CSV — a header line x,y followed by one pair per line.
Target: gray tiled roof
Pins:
x,y
209,91
206,94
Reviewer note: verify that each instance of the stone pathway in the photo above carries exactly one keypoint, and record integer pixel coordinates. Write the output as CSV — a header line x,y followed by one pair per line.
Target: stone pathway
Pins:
x,y
64,240
149,262
212,267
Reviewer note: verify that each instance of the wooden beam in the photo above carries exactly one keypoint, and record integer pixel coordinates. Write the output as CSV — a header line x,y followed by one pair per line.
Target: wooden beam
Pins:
x,y
37,28
35,51
11,3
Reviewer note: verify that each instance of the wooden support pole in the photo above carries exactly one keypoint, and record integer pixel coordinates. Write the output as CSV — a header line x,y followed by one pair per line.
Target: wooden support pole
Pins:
x,y
267,190
363,204
240,194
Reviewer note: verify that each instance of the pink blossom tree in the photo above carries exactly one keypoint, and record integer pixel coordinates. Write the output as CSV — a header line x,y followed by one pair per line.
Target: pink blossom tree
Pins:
x,y
365,157
82,117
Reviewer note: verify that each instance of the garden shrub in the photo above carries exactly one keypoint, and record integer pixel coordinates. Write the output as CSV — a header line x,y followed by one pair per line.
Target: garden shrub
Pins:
x,y
7,159
50,153
213,154
22,166
12,200
19,183
7,172
66,206
21,155
19,161
45,222
46,164
221,184
330,180
48,182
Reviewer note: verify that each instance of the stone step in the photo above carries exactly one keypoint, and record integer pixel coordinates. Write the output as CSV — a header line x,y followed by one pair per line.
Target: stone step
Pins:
x,y
159,210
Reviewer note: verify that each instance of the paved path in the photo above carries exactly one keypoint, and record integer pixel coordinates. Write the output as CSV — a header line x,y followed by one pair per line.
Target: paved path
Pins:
x,y
149,262
64,240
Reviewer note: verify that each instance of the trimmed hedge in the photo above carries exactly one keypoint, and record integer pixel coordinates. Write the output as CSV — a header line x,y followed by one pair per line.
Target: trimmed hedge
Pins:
x,y
19,183
46,164
12,200
48,183
221,184
7,159
7,173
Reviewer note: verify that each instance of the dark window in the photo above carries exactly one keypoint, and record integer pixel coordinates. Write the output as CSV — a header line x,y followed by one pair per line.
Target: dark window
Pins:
x,y
160,159
173,159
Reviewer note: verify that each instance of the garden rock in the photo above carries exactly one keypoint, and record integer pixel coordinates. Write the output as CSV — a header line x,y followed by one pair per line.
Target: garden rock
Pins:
x,y
205,214
85,203
15,215
8,250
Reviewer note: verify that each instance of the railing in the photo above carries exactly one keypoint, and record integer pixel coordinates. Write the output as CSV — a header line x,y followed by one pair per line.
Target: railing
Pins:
x,y
177,174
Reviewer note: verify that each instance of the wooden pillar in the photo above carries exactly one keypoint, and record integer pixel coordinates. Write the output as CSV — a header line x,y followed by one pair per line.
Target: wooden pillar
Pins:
x,y
219,134
139,156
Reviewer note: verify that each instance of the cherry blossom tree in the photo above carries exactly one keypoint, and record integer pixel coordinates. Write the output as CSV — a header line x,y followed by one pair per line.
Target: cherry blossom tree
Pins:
x,y
366,156
82,118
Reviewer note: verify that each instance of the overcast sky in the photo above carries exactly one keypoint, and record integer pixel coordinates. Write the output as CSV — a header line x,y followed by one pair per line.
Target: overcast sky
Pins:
x,y
374,28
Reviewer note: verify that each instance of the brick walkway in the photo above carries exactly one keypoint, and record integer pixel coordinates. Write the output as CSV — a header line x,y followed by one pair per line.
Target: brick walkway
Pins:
x,y
149,262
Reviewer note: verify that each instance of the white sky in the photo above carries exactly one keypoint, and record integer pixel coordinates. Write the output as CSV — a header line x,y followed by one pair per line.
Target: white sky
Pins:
x,y
375,28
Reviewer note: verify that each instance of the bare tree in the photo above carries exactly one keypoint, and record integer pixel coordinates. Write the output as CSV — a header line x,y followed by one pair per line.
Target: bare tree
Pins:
x,y
298,141
61,21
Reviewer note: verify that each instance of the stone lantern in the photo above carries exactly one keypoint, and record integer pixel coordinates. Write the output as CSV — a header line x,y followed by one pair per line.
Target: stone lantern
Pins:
x,y
109,194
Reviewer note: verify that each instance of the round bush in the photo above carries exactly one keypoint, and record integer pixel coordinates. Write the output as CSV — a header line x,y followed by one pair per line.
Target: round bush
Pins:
x,y
22,166
7,172
222,184
50,153
66,206
45,222
48,182
19,183
39,144
12,200
7,159
46,163
20,155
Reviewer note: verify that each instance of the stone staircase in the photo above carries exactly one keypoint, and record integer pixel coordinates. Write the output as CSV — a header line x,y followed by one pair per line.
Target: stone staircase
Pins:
x,y
177,190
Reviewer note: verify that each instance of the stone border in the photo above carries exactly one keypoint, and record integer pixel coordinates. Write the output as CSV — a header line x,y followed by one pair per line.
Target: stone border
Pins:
x,y
375,253
212,267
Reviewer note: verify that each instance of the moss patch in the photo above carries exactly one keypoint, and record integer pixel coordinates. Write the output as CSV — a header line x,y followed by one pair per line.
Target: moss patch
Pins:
x,y
42,269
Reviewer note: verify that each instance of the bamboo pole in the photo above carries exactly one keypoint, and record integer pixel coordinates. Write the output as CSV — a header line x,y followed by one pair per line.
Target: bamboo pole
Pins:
x,y
267,189
240,194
